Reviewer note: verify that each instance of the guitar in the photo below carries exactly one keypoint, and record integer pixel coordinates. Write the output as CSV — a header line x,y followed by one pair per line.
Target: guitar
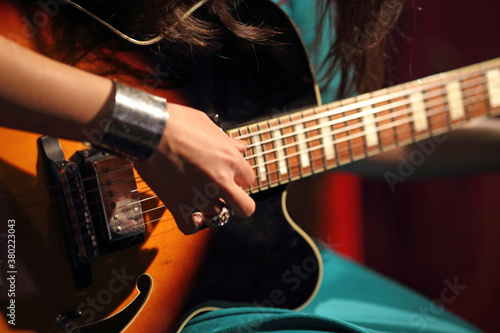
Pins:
x,y
137,271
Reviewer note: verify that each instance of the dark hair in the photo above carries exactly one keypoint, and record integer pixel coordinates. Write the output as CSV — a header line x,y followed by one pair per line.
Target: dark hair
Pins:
x,y
362,30
358,52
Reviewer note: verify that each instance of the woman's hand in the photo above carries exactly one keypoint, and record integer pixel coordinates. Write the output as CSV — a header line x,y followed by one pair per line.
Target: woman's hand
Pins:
x,y
195,166
198,168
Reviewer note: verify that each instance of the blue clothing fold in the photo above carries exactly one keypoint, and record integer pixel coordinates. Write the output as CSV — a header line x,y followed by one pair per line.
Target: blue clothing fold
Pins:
x,y
351,298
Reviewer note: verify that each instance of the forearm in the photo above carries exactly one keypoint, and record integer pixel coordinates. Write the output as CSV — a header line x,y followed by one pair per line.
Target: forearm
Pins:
x,y
473,148
41,95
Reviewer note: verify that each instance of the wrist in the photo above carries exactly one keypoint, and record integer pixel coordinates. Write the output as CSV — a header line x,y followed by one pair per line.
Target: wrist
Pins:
x,y
135,124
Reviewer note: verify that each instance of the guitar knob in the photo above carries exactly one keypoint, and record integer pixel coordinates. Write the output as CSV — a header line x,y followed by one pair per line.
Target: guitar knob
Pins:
x,y
64,316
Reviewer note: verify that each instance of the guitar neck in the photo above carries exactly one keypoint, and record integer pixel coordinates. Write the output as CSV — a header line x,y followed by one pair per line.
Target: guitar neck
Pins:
x,y
296,145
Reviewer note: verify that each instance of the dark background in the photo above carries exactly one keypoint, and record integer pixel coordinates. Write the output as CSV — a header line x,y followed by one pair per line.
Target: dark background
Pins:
x,y
433,231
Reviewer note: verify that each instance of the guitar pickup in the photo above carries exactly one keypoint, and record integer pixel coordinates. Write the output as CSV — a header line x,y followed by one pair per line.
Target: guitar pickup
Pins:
x,y
119,197
98,201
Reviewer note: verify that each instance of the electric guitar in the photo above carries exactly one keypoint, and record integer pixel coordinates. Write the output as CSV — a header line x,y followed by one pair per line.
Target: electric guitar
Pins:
x,y
87,247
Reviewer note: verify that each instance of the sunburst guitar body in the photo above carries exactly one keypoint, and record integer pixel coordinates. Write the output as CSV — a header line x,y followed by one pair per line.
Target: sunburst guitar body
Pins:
x,y
86,246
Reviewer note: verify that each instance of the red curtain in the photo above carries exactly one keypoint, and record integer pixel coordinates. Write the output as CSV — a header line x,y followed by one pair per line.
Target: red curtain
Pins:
x,y
434,233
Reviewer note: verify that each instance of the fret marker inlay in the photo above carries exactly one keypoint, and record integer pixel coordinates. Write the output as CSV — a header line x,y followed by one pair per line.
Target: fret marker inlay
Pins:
x,y
370,128
455,100
326,135
493,79
418,110
302,145
261,163
281,153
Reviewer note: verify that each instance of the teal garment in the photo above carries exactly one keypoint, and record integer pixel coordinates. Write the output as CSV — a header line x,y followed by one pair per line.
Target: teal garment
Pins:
x,y
351,298
305,16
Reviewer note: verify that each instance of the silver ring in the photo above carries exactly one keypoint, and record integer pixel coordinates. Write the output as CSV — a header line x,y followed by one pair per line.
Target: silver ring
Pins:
x,y
218,220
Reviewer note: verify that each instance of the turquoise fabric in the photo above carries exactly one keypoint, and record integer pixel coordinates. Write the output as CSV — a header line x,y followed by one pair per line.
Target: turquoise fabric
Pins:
x,y
305,16
351,298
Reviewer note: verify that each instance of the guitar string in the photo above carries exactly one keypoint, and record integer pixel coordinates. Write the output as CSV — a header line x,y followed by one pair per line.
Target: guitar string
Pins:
x,y
374,111
56,214
55,187
269,162
324,164
328,125
327,114
254,133
163,206
346,129
52,199
330,113
359,125
337,108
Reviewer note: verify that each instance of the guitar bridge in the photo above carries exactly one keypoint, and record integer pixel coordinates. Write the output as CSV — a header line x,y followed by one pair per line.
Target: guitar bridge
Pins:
x,y
99,204
78,211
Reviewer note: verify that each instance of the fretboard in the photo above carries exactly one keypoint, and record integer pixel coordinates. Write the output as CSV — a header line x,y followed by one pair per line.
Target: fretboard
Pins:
x,y
296,145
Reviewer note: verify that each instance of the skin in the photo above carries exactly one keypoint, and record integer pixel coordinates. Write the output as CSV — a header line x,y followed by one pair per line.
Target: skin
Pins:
x,y
63,101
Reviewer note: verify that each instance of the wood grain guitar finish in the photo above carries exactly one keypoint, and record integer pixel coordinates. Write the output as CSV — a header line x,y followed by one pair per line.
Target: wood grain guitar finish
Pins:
x,y
265,260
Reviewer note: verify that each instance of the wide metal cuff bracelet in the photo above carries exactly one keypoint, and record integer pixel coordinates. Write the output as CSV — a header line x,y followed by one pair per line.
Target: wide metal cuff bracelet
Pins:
x,y
137,123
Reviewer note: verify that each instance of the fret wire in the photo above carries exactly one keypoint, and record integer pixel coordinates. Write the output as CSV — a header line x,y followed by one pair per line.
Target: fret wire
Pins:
x,y
393,118
380,118
363,128
448,119
379,137
443,106
365,139
322,139
297,144
278,154
383,118
450,77
466,107
403,93
447,101
327,169
309,144
275,151
264,153
404,102
348,132
245,154
425,100
256,165
485,91
282,133
387,126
